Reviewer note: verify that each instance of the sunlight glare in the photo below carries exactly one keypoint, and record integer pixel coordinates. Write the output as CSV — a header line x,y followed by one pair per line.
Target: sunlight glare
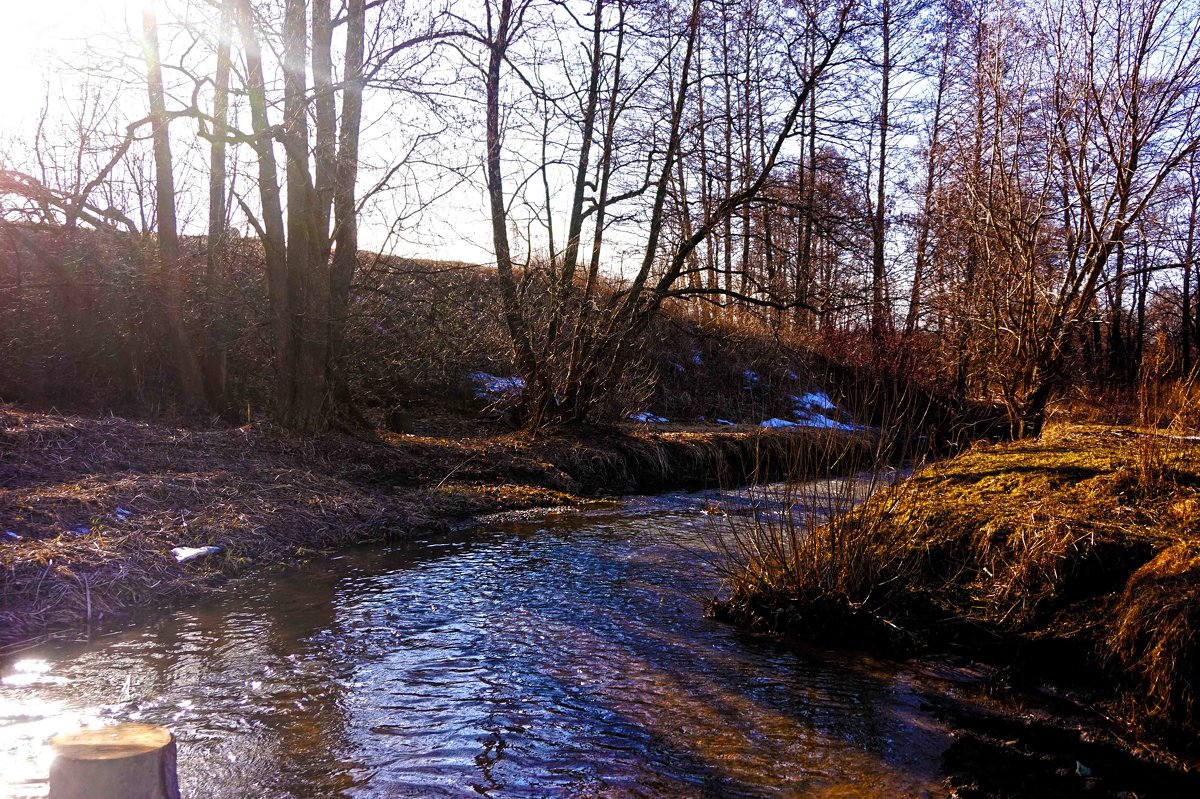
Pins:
x,y
37,39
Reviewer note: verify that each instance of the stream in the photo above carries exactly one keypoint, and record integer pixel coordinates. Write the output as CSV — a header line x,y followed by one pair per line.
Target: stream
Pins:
x,y
563,654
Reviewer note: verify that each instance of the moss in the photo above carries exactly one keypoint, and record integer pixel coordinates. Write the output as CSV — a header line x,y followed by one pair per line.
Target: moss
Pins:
x,y
461,500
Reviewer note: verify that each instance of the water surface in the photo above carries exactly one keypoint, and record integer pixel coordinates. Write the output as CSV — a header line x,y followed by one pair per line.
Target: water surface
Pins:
x,y
566,655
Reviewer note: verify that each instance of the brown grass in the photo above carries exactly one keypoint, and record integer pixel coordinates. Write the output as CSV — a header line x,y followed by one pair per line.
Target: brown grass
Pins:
x,y
1077,554
99,503
1155,638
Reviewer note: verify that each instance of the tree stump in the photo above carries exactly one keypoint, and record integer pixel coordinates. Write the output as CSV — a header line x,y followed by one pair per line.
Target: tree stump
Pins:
x,y
124,761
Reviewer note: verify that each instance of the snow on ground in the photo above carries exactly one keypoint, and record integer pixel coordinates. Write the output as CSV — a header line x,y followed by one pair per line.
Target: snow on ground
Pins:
x,y
817,420
815,399
807,412
490,387
646,416
822,421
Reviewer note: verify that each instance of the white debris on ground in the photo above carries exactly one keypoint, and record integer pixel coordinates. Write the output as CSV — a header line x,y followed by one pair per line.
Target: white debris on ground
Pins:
x,y
646,416
184,554
727,423
491,387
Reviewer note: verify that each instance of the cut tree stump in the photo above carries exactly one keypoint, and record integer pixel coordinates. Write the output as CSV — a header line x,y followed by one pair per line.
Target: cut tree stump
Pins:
x,y
124,761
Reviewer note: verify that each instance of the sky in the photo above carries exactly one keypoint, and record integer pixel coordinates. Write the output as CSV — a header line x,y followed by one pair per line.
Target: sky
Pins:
x,y
39,37
35,36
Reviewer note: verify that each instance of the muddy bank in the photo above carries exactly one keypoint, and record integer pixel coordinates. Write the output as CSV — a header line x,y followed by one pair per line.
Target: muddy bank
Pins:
x,y
1073,560
92,507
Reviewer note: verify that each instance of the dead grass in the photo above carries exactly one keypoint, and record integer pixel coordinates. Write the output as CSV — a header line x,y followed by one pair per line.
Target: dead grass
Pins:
x,y
1155,638
1075,544
94,505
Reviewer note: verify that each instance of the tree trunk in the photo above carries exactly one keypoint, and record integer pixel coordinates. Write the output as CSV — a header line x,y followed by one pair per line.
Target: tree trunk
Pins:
x,y
272,228
345,231
536,399
879,316
927,205
168,281
168,233
326,118
215,357
307,266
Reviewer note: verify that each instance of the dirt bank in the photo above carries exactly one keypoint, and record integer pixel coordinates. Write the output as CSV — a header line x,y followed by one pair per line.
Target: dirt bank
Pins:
x,y
1074,558
90,508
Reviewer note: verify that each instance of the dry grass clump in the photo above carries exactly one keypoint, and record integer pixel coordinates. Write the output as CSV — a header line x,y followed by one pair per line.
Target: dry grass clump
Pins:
x,y
1062,544
809,553
1155,638
816,561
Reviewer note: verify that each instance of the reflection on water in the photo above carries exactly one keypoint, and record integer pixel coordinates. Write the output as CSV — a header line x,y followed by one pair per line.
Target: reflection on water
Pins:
x,y
563,657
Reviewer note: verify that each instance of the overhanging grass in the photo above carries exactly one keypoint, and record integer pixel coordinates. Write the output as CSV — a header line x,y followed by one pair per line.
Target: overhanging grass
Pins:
x,y
1078,553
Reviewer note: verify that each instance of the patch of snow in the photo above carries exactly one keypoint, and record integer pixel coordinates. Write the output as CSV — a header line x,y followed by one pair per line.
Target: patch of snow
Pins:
x,y
820,420
815,399
646,416
12,535
696,359
679,367
726,422
122,514
815,420
790,375
491,387
751,377
184,554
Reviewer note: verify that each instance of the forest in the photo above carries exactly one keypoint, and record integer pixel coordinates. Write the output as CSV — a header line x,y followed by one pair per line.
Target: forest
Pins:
x,y
996,200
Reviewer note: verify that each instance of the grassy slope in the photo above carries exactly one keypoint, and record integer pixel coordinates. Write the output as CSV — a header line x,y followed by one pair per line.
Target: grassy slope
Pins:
x,y
98,503
1076,556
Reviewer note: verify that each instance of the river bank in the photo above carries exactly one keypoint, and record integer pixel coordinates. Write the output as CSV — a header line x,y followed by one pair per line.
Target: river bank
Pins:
x,y
1071,561
92,508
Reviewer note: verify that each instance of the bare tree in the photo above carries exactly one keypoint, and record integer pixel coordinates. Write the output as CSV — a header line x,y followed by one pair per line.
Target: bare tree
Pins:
x,y
575,385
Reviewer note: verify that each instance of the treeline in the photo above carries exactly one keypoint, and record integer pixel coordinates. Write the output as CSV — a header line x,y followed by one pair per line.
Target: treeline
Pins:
x,y
83,333
996,198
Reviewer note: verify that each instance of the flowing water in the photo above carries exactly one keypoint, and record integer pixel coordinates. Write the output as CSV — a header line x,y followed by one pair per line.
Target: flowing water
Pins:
x,y
563,655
